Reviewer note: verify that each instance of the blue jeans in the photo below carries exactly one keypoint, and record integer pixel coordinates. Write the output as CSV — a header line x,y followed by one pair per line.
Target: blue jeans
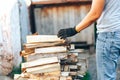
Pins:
x,y
107,54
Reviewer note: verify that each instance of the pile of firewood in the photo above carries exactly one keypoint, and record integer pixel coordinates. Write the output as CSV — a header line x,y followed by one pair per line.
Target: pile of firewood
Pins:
x,y
49,58
43,54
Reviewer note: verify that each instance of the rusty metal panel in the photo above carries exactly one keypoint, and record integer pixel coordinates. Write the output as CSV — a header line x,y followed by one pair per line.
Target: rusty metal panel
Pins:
x,y
50,19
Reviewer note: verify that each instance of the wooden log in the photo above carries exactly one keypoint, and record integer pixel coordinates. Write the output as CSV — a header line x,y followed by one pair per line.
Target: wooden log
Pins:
x,y
77,51
26,76
65,73
67,62
53,73
66,78
18,77
38,62
43,38
73,67
41,45
35,77
44,68
66,68
62,78
72,58
23,53
29,50
49,78
73,73
35,56
56,49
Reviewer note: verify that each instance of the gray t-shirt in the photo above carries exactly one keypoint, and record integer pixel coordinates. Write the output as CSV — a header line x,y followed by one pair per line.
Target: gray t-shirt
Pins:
x,y
109,20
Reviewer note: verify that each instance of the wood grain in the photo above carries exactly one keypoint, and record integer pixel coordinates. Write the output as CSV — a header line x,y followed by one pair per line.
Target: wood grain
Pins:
x,y
41,61
44,68
43,38
56,49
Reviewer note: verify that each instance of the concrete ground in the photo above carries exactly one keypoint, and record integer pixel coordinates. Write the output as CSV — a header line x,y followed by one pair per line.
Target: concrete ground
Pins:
x,y
5,78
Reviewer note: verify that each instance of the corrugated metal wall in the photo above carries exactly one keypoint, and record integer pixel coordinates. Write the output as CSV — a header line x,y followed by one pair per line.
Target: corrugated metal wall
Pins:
x,y
50,19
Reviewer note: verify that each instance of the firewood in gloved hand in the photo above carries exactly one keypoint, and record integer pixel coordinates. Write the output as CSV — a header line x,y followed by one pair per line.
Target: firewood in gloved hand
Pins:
x,y
68,32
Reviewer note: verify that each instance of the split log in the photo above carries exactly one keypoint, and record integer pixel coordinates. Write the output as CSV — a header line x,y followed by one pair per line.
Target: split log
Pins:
x,y
35,56
65,74
66,68
43,38
73,73
73,67
23,53
66,78
44,68
56,49
38,62
53,73
18,77
35,77
26,76
41,45
49,78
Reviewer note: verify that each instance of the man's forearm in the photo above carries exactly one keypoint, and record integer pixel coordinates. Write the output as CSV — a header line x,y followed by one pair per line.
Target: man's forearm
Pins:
x,y
87,21
92,16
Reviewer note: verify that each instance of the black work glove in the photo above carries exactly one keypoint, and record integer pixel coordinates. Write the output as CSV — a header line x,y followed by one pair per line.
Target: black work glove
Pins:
x,y
68,32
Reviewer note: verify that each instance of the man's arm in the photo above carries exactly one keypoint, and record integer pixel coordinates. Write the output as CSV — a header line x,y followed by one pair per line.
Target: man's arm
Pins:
x,y
94,13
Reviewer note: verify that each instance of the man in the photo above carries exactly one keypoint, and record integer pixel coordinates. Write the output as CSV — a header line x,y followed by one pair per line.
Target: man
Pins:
x,y
107,14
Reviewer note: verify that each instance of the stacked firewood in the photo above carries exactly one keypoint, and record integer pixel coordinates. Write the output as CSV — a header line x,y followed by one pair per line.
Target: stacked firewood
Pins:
x,y
48,57
43,55
74,66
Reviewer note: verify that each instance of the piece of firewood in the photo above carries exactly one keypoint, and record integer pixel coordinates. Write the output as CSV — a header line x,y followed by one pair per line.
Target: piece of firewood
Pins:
x,y
65,73
34,77
46,44
73,73
35,56
43,38
18,77
38,62
66,68
53,73
49,78
44,68
23,53
62,78
68,78
65,78
29,50
26,76
73,67
56,49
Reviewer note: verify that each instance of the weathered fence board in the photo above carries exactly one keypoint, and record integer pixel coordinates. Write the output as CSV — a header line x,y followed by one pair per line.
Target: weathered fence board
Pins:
x,y
49,19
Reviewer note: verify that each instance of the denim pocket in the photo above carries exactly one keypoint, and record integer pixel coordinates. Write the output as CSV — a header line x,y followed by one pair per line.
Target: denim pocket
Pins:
x,y
100,43
101,37
114,52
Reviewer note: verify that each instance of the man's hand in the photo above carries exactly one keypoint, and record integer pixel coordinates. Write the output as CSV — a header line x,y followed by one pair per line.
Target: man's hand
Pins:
x,y
68,32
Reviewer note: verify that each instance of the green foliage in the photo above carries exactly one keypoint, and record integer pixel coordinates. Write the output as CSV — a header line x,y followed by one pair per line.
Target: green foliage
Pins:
x,y
16,70
87,76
